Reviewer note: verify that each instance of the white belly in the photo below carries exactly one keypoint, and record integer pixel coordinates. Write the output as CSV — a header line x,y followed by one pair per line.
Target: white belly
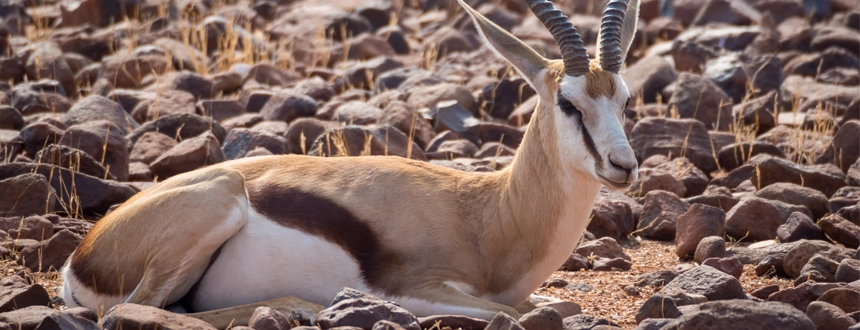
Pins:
x,y
266,260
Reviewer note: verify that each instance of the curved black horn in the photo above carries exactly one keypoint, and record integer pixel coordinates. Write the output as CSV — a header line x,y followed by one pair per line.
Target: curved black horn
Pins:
x,y
569,41
610,35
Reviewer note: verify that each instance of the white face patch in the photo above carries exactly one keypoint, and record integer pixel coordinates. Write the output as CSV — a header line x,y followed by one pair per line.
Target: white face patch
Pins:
x,y
584,140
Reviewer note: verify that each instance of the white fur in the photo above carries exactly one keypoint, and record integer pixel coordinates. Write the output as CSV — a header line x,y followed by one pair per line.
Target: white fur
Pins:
x,y
265,260
186,275
606,133
82,293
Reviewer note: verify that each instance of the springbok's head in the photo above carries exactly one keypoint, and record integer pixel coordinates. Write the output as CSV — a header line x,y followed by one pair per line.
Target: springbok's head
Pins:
x,y
585,98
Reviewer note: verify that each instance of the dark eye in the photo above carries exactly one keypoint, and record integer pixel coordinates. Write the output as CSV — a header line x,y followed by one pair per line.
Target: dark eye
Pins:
x,y
568,108
627,105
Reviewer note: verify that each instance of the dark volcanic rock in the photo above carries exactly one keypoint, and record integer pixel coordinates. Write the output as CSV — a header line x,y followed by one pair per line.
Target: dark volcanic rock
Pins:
x,y
800,296
710,282
664,136
364,312
798,227
611,218
92,195
188,155
657,306
544,318
660,214
698,222
827,316
841,230
132,316
814,200
15,293
754,219
25,194
730,265
697,97
774,170
384,140
800,254
710,247
752,315
50,254
73,159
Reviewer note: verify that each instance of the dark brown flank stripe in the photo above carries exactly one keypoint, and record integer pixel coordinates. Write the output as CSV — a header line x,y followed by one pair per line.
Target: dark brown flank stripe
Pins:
x,y
110,282
321,217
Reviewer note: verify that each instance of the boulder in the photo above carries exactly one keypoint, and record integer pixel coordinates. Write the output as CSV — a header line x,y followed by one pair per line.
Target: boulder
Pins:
x,y
150,146
664,136
89,194
753,315
827,316
72,159
753,219
845,297
790,193
16,293
660,215
102,140
699,98
26,194
364,312
611,218
50,254
841,230
164,103
800,254
709,282
267,318
801,295
241,141
132,316
543,318
710,247
798,227
698,222
730,265
647,78
605,247
657,306
32,227
356,140
188,155
287,106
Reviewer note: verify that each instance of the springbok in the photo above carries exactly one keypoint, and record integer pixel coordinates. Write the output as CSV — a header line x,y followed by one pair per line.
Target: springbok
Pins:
x,y
433,239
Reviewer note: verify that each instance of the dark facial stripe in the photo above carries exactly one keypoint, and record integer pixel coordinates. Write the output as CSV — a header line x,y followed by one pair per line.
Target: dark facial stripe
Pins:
x,y
586,137
589,145
319,216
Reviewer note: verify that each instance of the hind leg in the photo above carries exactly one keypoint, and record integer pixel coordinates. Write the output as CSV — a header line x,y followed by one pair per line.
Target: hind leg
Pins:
x,y
153,248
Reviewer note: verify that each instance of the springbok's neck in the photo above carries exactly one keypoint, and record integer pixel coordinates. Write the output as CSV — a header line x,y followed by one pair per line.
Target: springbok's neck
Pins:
x,y
544,207
540,189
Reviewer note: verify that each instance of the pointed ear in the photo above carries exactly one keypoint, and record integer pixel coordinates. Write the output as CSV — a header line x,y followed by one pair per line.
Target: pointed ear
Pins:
x,y
528,62
628,30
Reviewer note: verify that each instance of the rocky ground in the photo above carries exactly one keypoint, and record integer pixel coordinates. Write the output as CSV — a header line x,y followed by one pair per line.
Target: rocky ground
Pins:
x,y
746,122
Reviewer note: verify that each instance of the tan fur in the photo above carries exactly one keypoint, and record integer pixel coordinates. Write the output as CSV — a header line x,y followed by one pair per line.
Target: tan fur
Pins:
x,y
495,225
599,83
169,212
483,230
